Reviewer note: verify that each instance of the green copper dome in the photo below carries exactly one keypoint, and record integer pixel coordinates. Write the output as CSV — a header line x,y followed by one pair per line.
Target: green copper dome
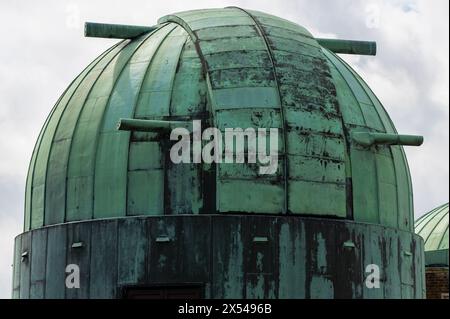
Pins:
x,y
104,193
433,228
228,68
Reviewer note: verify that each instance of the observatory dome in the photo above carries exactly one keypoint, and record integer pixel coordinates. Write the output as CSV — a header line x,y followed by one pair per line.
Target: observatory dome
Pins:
x,y
433,228
103,193
228,68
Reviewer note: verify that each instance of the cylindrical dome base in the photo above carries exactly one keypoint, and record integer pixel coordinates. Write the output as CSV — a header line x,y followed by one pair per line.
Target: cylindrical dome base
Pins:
x,y
219,256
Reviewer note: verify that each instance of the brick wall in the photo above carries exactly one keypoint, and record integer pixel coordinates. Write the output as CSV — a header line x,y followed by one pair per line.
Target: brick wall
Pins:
x,y
437,282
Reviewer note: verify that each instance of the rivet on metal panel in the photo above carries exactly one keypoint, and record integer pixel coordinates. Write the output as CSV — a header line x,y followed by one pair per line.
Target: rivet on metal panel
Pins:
x,y
24,256
349,244
260,239
407,253
77,245
162,239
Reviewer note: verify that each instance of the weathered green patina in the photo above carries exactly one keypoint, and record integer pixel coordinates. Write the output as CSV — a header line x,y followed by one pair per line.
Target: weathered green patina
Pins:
x,y
349,47
229,68
433,228
114,31
332,199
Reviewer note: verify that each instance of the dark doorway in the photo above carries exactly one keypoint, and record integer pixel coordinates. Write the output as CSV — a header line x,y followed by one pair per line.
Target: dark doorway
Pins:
x,y
163,292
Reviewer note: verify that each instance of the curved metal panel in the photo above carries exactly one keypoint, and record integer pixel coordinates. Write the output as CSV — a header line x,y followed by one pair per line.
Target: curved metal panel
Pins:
x,y
256,71
53,192
234,256
37,174
433,228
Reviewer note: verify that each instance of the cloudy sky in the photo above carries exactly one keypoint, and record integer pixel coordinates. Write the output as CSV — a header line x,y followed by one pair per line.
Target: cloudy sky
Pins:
x,y
43,49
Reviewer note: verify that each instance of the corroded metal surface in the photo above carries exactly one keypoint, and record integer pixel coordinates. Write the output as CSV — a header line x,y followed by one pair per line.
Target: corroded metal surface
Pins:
x,y
238,256
229,68
433,228
114,203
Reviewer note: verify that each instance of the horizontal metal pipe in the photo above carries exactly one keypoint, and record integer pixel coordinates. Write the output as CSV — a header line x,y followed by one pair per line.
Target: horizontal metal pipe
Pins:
x,y
372,138
150,125
349,46
114,31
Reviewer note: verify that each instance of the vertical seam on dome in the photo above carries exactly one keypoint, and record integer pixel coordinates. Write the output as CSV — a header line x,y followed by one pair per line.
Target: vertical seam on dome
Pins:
x,y
179,21
57,125
411,194
436,225
430,216
283,117
421,221
167,205
346,82
402,151
78,117
363,87
443,236
37,146
427,215
102,118
32,165
396,186
175,73
366,88
327,56
348,184
209,198
146,71
433,213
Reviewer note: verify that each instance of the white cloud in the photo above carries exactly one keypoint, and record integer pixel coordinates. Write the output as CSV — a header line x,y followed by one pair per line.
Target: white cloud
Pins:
x,y
410,76
9,228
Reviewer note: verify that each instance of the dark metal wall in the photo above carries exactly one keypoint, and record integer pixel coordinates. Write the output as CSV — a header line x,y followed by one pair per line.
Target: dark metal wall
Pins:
x,y
230,256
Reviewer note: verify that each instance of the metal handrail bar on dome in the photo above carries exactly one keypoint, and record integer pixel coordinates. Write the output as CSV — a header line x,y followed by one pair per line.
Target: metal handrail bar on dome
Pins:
x,y
371,138
115,31
124,31
349,46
